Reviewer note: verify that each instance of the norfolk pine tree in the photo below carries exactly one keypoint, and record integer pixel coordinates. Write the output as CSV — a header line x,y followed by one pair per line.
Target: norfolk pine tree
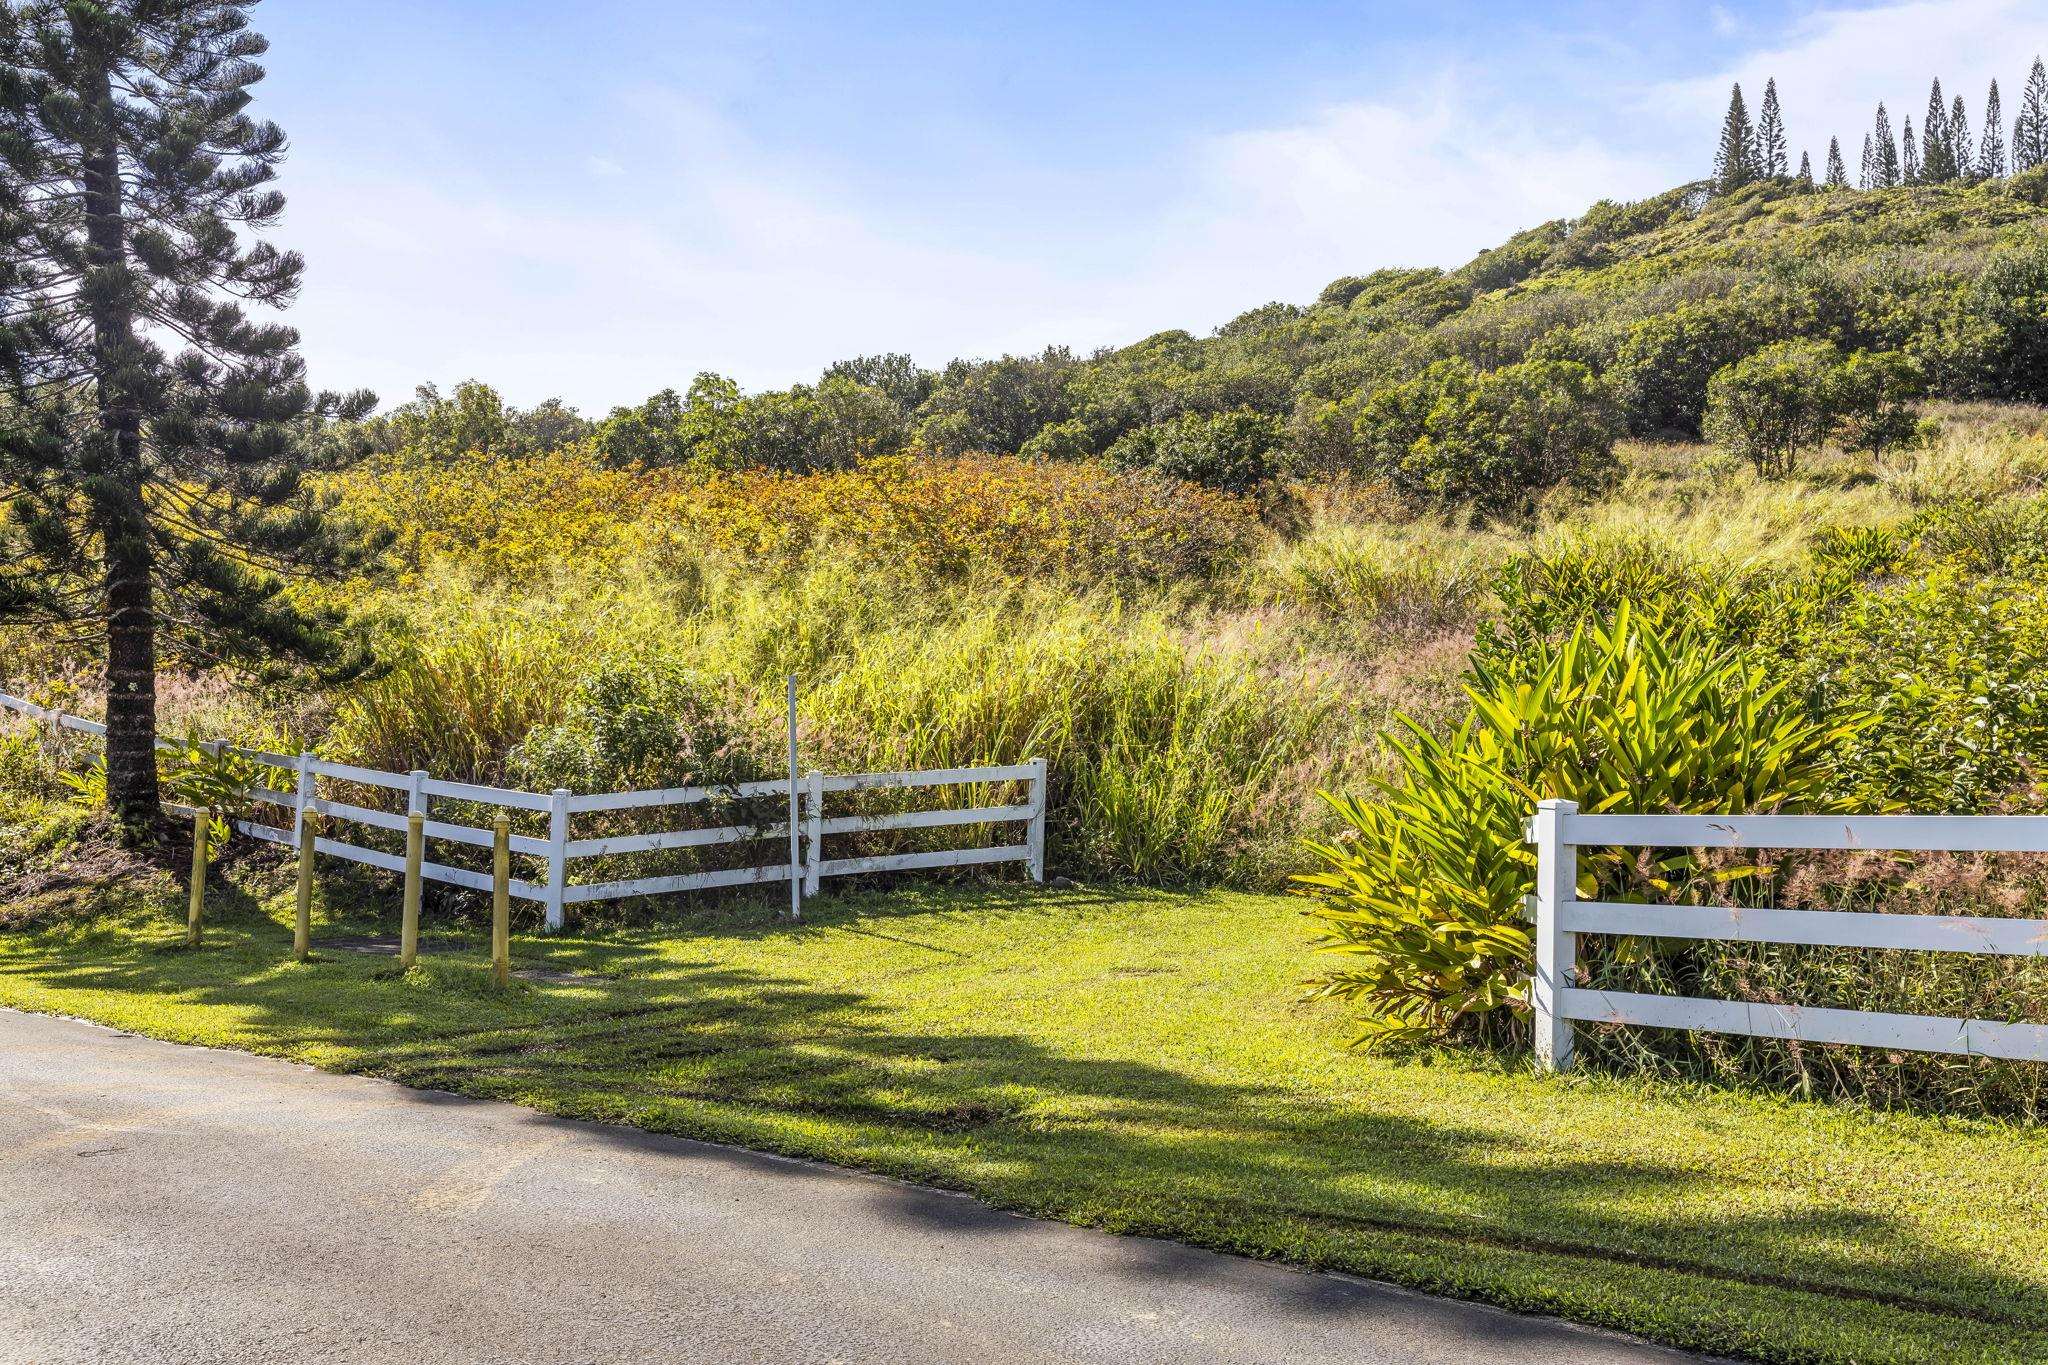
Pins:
x,y
1991,147
1868,181
150,431
1884,172
1959,144
1735,157
2030,129
1909,155
1770,134
1937,153
1837,173
1805,170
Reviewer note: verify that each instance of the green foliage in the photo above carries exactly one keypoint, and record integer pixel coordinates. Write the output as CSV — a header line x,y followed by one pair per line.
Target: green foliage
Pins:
x,y
641,723
1490,440
473,420
1666,361
191,773
1232,451
995,406
834,425
1874,397
1423,897
1953,671
1773,404
2012,299
457,700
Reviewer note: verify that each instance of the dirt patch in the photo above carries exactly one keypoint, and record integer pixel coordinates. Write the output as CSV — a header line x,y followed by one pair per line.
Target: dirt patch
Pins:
x,y
90,876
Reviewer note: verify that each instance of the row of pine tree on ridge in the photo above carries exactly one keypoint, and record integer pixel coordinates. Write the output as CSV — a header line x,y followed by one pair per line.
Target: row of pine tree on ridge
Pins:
x,y
1755,149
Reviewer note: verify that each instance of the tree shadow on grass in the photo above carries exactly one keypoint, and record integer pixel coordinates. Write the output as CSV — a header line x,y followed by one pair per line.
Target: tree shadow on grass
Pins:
x,y
708,1049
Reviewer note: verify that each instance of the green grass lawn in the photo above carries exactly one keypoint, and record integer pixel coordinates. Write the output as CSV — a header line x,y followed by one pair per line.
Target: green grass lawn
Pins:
x,y
1142,1062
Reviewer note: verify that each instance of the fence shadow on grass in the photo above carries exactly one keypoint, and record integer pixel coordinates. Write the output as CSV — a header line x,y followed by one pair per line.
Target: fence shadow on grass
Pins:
x,y
699,1047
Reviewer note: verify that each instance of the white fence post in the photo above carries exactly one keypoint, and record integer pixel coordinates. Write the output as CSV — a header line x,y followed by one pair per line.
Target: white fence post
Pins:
x,y
1557,876
814,830
558,856
1034,832
302,798
416,795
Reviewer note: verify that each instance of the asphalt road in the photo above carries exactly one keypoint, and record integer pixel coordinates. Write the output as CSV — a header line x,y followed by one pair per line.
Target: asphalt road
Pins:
x,y
170,1204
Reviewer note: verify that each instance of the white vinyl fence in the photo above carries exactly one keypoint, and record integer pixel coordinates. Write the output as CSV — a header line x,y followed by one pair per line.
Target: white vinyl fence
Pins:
x,y
292,785
1559,831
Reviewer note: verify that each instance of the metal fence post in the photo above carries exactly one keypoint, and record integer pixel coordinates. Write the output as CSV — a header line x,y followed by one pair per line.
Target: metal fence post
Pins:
x,y
1557,875
814,831
1034,832
558,856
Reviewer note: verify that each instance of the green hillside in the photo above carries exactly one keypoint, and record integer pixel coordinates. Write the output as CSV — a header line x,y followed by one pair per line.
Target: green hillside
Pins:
x,y
1619,318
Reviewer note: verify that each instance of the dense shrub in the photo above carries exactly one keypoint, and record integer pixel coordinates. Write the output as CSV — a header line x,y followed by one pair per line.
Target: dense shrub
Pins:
x,y
994,513
2012,300
505,518
1454,435
1666,361
1232,451
1954,673
646,722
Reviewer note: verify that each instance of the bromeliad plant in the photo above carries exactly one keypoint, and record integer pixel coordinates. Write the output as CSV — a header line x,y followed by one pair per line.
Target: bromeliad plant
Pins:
x,y
1423,894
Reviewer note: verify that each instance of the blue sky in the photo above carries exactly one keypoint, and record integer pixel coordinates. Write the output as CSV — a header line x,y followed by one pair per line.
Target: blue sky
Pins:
x,y
597,200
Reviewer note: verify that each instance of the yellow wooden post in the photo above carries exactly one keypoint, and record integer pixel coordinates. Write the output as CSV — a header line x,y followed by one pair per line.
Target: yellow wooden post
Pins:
x,y
309,836
415,854
501,898
202,823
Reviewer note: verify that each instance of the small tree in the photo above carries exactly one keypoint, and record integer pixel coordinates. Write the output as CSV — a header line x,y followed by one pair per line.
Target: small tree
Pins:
x,y
1771,405
1837,173
1873,395
1959,144
1909,155
1455,436
1805,176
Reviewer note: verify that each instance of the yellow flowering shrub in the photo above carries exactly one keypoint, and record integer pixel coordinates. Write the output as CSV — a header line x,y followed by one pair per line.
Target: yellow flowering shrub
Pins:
x,y
990,512
506,518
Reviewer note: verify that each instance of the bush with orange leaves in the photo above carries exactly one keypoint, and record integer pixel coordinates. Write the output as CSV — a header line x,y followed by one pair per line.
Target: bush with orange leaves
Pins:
x,y
950,517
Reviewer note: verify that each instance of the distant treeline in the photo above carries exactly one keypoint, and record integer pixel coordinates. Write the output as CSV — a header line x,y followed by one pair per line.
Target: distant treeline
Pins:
x,y
1755,149
1480,386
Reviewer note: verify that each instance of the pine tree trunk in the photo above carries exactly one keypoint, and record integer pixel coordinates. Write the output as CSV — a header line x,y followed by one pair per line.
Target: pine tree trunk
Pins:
x,y
118,512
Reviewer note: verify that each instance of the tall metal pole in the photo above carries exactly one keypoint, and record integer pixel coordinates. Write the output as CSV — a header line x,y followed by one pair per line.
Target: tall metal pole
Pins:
x,y
796,877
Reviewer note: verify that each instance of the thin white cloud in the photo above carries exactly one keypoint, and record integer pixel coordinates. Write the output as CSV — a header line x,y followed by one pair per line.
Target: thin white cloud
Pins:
x,y
717,252
1834,66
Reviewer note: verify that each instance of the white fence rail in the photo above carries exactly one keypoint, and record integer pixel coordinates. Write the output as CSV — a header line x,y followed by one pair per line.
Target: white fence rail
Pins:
x,y
292,784
1559,831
